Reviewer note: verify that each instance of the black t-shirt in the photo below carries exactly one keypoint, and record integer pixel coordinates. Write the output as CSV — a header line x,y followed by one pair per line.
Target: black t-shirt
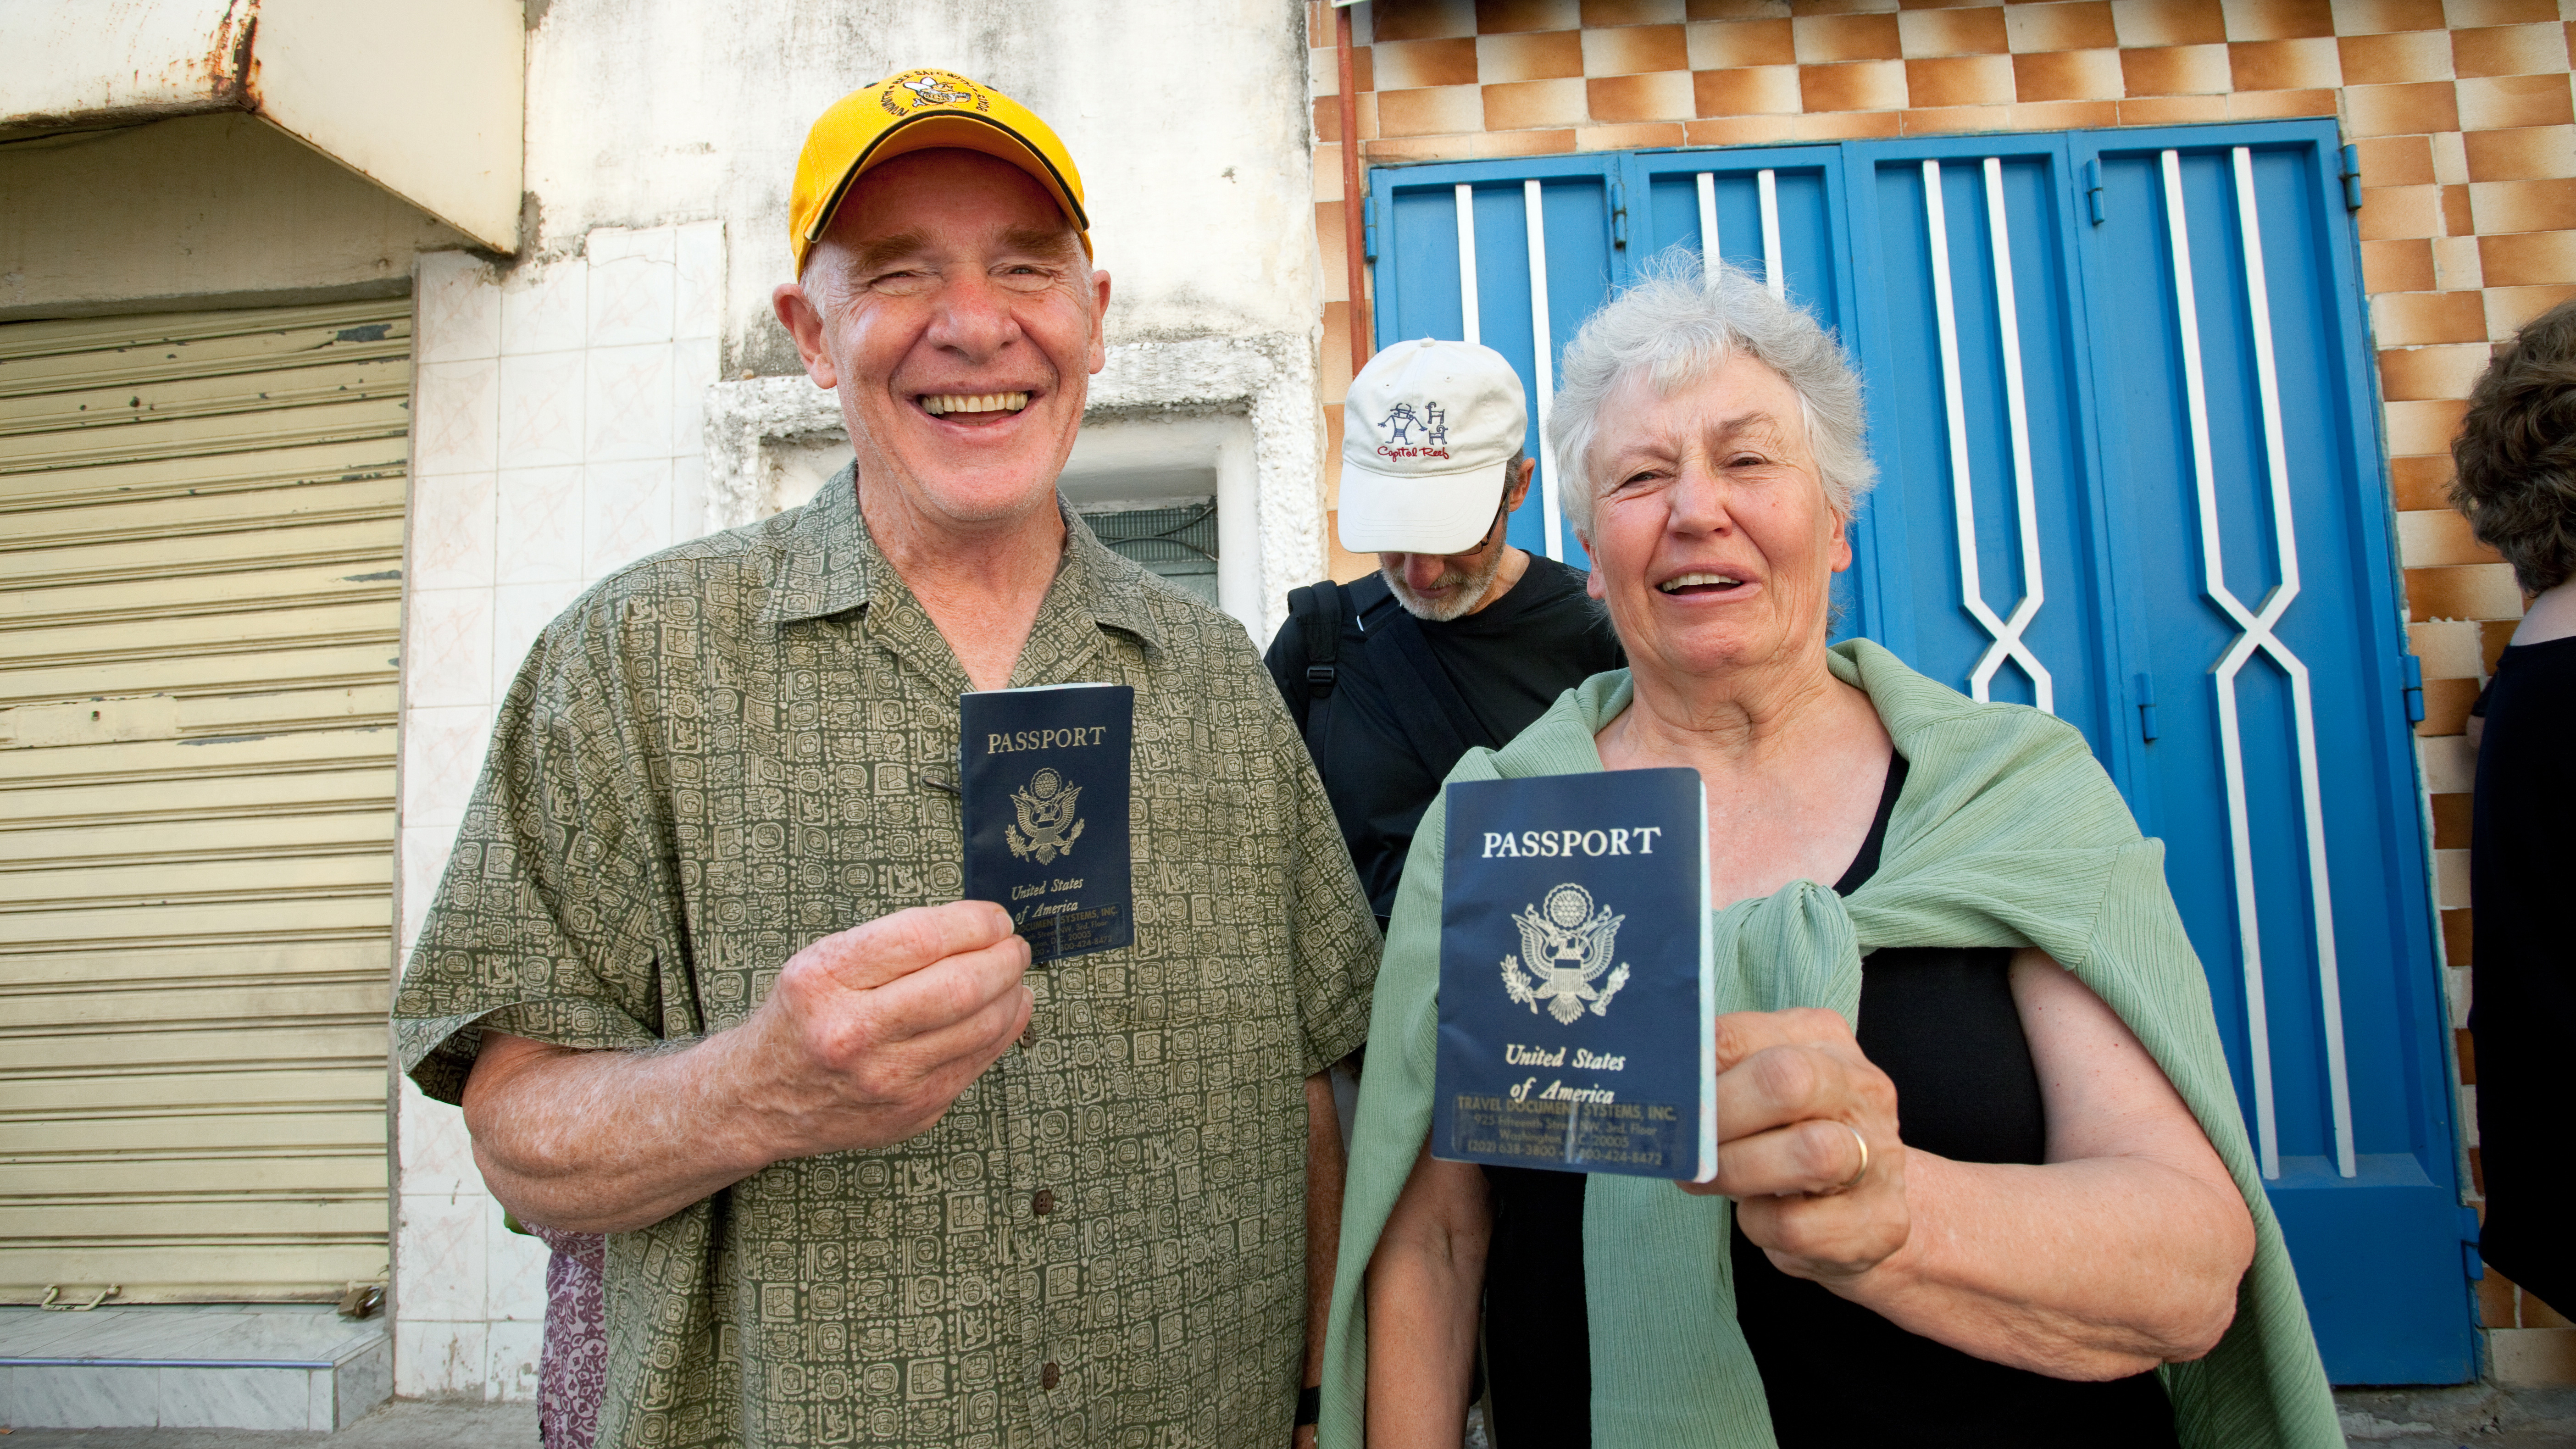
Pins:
x,y
1508,661
2522,873
1942,1024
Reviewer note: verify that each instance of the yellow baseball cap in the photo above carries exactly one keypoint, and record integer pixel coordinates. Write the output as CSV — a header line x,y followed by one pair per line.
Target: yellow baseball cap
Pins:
x,y
917,110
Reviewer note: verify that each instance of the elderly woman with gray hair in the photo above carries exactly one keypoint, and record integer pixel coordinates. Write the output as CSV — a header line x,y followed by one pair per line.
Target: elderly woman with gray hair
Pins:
x,y
2015,1205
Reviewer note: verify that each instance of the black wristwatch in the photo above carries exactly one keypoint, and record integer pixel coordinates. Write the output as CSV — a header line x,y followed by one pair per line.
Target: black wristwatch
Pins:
x,y
1310,1407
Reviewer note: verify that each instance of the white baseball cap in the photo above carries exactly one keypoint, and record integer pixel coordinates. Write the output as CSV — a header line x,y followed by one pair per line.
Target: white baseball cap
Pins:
x,y
1426,429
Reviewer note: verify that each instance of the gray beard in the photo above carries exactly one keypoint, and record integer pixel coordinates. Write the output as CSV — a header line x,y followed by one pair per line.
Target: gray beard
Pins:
x,y
1469,593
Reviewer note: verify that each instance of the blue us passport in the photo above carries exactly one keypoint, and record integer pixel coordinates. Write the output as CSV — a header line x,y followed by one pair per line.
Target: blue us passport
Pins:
x,y
1042,775
1577,995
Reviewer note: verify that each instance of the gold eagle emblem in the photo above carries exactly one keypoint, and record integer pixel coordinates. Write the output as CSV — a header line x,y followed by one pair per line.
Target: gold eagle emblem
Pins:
x,y
1047,826
1565,946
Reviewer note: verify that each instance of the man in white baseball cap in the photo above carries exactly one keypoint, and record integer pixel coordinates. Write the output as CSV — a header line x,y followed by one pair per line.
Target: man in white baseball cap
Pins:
x,y
1459,639
1431,453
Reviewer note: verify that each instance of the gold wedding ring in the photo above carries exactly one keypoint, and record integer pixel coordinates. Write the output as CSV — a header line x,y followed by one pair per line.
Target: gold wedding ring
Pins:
x,y
1848,1183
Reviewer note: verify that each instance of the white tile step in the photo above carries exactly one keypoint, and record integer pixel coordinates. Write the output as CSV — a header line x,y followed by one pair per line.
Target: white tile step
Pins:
x,y
204,1366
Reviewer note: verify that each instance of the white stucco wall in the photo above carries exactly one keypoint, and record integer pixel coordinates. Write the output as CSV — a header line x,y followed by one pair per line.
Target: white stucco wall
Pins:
x,y
557,416
1188,122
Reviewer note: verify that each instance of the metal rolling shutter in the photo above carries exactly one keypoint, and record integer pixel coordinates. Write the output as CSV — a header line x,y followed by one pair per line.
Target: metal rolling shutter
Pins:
x,y
201,533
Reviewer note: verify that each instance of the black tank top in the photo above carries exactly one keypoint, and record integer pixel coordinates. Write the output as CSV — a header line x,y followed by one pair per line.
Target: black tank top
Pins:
x,y
1941,1023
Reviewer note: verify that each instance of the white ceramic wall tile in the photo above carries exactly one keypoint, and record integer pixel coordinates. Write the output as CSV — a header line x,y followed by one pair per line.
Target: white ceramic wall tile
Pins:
x,y
626,513
2450,648
543,310
510,1376
440,1273
587,372
688,498
540,527
693,368
438,1153
447,648
628,403
424,851
2449,764
457,425
698,305
442,753
436,1359
519,613
456,308
633,278
451,531
541,410
514,1274
606,244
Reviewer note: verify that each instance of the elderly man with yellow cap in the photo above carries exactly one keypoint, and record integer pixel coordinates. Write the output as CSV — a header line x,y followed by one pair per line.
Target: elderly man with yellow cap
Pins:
x,y
699,973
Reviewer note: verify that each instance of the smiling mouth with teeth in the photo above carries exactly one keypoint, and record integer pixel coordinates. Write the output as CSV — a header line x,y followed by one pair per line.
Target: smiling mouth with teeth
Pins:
x,y
1695,582
942,404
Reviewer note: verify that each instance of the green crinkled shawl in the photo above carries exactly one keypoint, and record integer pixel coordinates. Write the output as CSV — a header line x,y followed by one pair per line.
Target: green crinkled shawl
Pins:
x,y
2007,834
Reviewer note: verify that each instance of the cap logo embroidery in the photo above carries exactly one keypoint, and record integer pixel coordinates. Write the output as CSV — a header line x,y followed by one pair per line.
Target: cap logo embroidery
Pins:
x,y
915,89
1402,421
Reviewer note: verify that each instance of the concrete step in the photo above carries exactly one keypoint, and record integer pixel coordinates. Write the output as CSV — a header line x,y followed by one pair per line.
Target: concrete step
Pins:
x,y
398,1424
289,1366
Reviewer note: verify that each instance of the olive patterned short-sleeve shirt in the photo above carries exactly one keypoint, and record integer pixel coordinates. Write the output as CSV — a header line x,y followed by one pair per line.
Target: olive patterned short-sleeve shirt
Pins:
x,y
740,745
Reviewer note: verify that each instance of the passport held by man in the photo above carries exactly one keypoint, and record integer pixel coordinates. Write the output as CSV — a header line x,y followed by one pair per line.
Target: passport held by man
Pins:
x,y
699,971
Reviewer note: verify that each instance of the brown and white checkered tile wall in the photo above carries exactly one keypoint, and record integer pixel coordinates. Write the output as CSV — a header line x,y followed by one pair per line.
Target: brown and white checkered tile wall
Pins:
x,y
2462,109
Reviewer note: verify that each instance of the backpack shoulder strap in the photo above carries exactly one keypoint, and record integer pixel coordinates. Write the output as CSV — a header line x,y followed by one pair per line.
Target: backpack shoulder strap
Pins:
x,y
1436,716
1318,611
1317,608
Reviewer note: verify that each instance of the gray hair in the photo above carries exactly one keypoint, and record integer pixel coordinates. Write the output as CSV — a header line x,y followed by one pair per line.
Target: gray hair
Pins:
x,y
1676,323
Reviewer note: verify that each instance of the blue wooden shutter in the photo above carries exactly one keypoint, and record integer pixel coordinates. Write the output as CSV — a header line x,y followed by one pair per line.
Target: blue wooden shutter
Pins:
x,y
1482,272
2260,601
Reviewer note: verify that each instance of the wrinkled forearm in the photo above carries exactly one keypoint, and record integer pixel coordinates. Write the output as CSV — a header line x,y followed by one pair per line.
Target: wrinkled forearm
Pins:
x,y
605,1142
2093,1269
1425,1283
1324,1169
1422,1345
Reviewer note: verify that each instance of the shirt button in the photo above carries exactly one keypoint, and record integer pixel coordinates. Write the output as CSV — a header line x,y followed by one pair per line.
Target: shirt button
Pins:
x,y
1043,1201
1049,1375
1028,1036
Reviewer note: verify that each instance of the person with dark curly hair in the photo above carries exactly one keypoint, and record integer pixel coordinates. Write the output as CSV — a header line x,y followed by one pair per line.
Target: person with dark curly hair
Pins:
x,y
2516,481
